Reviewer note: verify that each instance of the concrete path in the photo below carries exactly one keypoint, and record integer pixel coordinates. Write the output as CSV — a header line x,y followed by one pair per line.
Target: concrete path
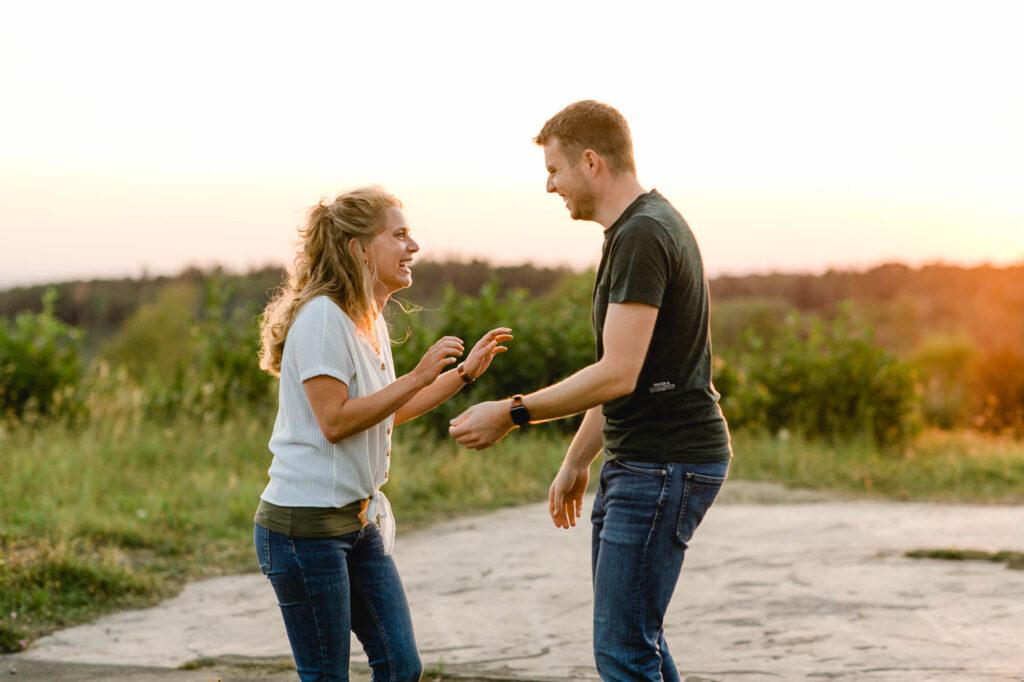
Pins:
x,y
778,585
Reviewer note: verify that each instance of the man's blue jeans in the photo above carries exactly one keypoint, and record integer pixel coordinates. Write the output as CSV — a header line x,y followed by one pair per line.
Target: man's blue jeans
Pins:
x,y
644,515
327,587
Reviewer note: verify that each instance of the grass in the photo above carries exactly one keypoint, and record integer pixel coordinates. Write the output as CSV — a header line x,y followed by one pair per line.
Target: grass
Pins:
x,y
1012,559
122,512
938,466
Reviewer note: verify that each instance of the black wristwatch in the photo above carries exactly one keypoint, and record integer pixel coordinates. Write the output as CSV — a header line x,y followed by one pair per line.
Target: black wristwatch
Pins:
x,y
520,415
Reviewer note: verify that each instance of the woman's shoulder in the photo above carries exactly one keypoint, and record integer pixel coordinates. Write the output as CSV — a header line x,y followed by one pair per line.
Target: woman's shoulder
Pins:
x,y
320,310
320,306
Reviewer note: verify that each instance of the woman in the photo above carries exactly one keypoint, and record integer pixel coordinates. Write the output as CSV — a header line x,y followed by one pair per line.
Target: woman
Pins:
x,y
323,529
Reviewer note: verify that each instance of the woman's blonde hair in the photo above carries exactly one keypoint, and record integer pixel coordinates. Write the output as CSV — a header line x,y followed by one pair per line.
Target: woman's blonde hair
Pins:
x,y
326,266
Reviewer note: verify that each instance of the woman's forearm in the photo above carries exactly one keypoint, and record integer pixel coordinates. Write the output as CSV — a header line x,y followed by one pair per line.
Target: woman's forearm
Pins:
x,y
441,389
349,416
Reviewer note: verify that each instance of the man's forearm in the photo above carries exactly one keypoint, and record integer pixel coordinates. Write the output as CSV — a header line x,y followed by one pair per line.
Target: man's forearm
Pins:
x,y
588,443
592,386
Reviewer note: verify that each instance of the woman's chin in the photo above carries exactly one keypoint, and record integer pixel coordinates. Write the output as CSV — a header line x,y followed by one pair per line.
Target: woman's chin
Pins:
x,y
399,283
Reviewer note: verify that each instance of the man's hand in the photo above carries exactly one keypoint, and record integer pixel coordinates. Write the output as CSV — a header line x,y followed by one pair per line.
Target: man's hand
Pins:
x,y
482,425
565,497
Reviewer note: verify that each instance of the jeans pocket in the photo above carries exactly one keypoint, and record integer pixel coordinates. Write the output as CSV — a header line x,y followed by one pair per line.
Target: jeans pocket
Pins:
x,y
699,492
261,539
643,468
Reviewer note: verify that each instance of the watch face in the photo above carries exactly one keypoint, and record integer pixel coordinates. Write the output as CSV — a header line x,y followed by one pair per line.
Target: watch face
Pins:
x,y
520,415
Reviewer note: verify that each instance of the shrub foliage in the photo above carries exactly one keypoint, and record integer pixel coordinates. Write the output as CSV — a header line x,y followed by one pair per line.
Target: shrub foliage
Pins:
x,y
39,363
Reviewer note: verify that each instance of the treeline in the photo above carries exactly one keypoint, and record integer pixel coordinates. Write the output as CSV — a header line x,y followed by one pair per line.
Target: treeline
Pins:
x,y
101,307
904,304
875,353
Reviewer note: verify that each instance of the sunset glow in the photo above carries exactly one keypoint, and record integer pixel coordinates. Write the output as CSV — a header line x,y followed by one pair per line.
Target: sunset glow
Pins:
x,y
793,136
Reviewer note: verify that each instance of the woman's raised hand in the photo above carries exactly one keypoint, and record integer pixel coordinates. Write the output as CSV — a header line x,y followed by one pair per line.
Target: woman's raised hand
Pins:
x,y
479,359
443,353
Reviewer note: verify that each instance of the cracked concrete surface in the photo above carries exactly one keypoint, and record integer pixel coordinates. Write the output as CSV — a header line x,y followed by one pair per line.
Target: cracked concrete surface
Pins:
x,y
777,585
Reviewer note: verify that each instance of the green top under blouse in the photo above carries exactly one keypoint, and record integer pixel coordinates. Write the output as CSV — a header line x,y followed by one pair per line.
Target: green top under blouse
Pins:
x,y
312,522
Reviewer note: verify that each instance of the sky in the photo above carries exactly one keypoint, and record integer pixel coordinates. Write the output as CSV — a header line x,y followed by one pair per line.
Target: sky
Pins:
x,y
793,136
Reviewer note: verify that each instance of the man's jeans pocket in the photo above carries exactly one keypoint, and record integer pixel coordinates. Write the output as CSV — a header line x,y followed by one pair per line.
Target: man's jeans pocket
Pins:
x,y
261,540
699,491
643,468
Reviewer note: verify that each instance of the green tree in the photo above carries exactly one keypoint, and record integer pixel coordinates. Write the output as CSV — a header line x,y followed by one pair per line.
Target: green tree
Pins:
x,y
156,340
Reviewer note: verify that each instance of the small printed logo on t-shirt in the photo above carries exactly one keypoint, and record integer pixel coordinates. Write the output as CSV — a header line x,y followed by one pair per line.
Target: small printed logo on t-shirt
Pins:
x,y
661,386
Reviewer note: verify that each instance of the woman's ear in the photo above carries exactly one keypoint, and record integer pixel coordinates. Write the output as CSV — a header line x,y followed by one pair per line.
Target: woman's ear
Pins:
x,y
357,249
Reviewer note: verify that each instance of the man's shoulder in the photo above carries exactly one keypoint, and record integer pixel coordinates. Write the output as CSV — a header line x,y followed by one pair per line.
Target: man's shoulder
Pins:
x,y
653,212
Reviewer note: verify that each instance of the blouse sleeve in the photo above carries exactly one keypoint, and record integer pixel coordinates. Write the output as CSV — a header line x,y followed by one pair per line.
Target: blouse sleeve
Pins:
x,y
323,342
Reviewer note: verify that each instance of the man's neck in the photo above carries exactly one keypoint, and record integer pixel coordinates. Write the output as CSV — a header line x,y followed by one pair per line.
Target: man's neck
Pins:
x,y
617,197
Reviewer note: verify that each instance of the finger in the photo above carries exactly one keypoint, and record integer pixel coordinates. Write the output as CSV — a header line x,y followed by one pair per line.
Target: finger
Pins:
x,y
554,500
498,349
563,518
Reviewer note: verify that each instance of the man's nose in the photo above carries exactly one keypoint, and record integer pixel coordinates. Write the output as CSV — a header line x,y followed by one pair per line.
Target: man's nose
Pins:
x,y
550,185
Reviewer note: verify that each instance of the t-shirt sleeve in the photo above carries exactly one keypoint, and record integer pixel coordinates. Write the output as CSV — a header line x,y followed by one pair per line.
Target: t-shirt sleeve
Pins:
x,y
640,263
323,342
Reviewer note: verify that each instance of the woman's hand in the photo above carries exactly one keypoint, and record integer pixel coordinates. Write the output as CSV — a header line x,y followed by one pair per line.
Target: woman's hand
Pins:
x,y
479,359
443,353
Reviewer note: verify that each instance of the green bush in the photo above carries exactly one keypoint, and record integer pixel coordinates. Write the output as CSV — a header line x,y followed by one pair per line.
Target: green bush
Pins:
x,y
222,371
39,364
945,363
999,391
824,380
732,320
553,339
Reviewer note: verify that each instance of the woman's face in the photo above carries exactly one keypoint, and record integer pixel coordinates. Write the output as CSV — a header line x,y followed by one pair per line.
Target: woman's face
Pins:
x,y
390,253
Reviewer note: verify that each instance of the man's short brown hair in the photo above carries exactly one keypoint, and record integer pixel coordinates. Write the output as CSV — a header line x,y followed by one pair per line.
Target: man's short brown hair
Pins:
x,y
591,125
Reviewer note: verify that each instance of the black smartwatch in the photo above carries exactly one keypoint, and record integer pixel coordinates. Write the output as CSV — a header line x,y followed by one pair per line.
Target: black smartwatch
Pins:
x,y
520,415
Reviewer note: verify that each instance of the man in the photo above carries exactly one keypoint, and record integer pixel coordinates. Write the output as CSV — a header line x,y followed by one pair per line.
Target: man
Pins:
x,y
650,405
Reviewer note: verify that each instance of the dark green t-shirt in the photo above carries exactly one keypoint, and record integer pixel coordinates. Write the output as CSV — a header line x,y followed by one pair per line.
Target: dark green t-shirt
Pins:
x,y
651,256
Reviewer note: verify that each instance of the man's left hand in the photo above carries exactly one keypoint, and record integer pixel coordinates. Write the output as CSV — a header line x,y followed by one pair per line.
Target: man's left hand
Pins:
x,y
482,425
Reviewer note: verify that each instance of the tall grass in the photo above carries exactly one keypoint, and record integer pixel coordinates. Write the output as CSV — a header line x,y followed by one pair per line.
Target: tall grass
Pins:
x,y
121,512
937,466
118,513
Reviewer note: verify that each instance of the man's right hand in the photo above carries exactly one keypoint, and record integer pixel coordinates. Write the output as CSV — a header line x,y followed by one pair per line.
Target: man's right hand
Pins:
x,y
565,497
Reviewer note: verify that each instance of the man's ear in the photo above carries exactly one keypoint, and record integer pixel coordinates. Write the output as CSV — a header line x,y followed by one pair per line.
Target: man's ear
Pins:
x,y
590,162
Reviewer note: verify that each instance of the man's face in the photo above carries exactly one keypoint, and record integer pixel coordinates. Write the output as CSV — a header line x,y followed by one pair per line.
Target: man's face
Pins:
x,y
568,181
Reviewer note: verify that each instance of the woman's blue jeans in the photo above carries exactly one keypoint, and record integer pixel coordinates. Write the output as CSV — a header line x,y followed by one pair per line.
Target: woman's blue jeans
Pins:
x,y
644,515
329,587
